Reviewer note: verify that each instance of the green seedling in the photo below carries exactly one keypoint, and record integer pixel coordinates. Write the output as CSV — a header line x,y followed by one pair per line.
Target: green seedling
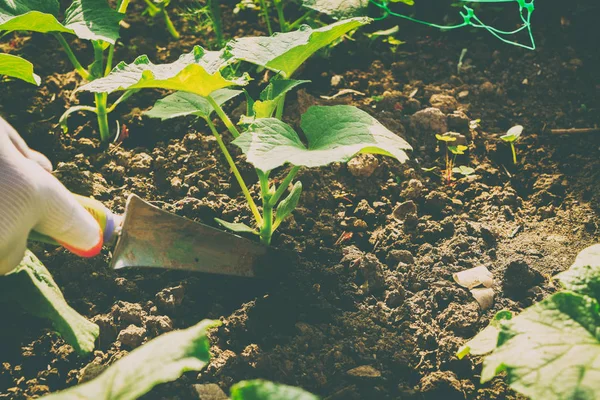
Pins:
x,y
550,350
206,16
463,170
155,8
334,134
90,20
448,158
512,136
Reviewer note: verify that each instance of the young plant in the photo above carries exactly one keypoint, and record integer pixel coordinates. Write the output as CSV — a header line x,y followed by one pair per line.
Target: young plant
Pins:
x,y
550,351
512,136
156,8
335,134
451,159
205,16
91,20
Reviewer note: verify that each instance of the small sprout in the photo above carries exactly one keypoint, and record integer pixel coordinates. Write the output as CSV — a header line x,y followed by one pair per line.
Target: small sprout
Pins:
x,y
460,149
475,123
513,135
463,170
445,138
455,150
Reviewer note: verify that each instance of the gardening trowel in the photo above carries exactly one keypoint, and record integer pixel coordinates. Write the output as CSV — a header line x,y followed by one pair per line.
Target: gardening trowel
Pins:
x,y
147,236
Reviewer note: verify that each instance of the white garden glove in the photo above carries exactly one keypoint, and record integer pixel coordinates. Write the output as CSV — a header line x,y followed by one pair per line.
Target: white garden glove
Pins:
x,y
31,198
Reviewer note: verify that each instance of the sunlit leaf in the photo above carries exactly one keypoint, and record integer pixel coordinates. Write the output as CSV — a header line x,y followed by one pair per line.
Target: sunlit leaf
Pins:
x,y
17,67
334,133
285,52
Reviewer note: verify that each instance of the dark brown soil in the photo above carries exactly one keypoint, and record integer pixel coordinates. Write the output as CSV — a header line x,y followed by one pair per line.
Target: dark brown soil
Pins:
x,y
370,311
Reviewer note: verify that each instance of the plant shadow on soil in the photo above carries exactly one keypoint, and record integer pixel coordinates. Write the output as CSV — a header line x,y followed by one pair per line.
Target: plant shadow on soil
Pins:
x,y
370,311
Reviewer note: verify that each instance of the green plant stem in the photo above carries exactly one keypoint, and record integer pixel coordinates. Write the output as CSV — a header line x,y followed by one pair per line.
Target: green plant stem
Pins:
x,y
154,9
121,99
228,124
280,105
265,11
170,26
236,173
300,20
266,229
284,186
76,64
514,152
111,50
102,115
280,16
215,16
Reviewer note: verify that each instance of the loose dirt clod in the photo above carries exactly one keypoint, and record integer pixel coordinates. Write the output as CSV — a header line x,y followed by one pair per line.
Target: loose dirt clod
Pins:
x,y
363,165
132,336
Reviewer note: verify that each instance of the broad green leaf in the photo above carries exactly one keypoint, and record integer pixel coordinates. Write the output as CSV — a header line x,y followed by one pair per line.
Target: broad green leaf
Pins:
x,y
334,133
285,52
180,104
463,170
513,134
485,341
288,205
161,360
88,19
338,8
407,2
17,67
31,287
584,275
551,351
259,389
195,72
236,226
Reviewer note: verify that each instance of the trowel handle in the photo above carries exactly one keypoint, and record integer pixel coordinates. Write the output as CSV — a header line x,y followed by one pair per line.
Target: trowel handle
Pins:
x,y
105,218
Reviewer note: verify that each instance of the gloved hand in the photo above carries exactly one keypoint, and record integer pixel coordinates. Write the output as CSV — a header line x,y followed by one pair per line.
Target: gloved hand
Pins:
x,y
31,198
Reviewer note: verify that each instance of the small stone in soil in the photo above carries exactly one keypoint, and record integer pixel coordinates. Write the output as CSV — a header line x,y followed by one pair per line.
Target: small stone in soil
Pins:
x,y
209,391
413,189
444,102
363,165
364,371
170,298
132,336
403,256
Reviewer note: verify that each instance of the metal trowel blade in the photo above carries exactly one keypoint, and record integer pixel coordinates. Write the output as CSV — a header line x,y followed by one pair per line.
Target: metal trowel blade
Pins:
x,y
151,237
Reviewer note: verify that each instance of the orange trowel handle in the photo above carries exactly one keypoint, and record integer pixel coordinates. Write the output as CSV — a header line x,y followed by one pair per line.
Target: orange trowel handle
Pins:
x,y
106,219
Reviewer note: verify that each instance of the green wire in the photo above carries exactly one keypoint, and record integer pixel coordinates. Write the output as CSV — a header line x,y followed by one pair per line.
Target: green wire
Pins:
x,y
470,19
